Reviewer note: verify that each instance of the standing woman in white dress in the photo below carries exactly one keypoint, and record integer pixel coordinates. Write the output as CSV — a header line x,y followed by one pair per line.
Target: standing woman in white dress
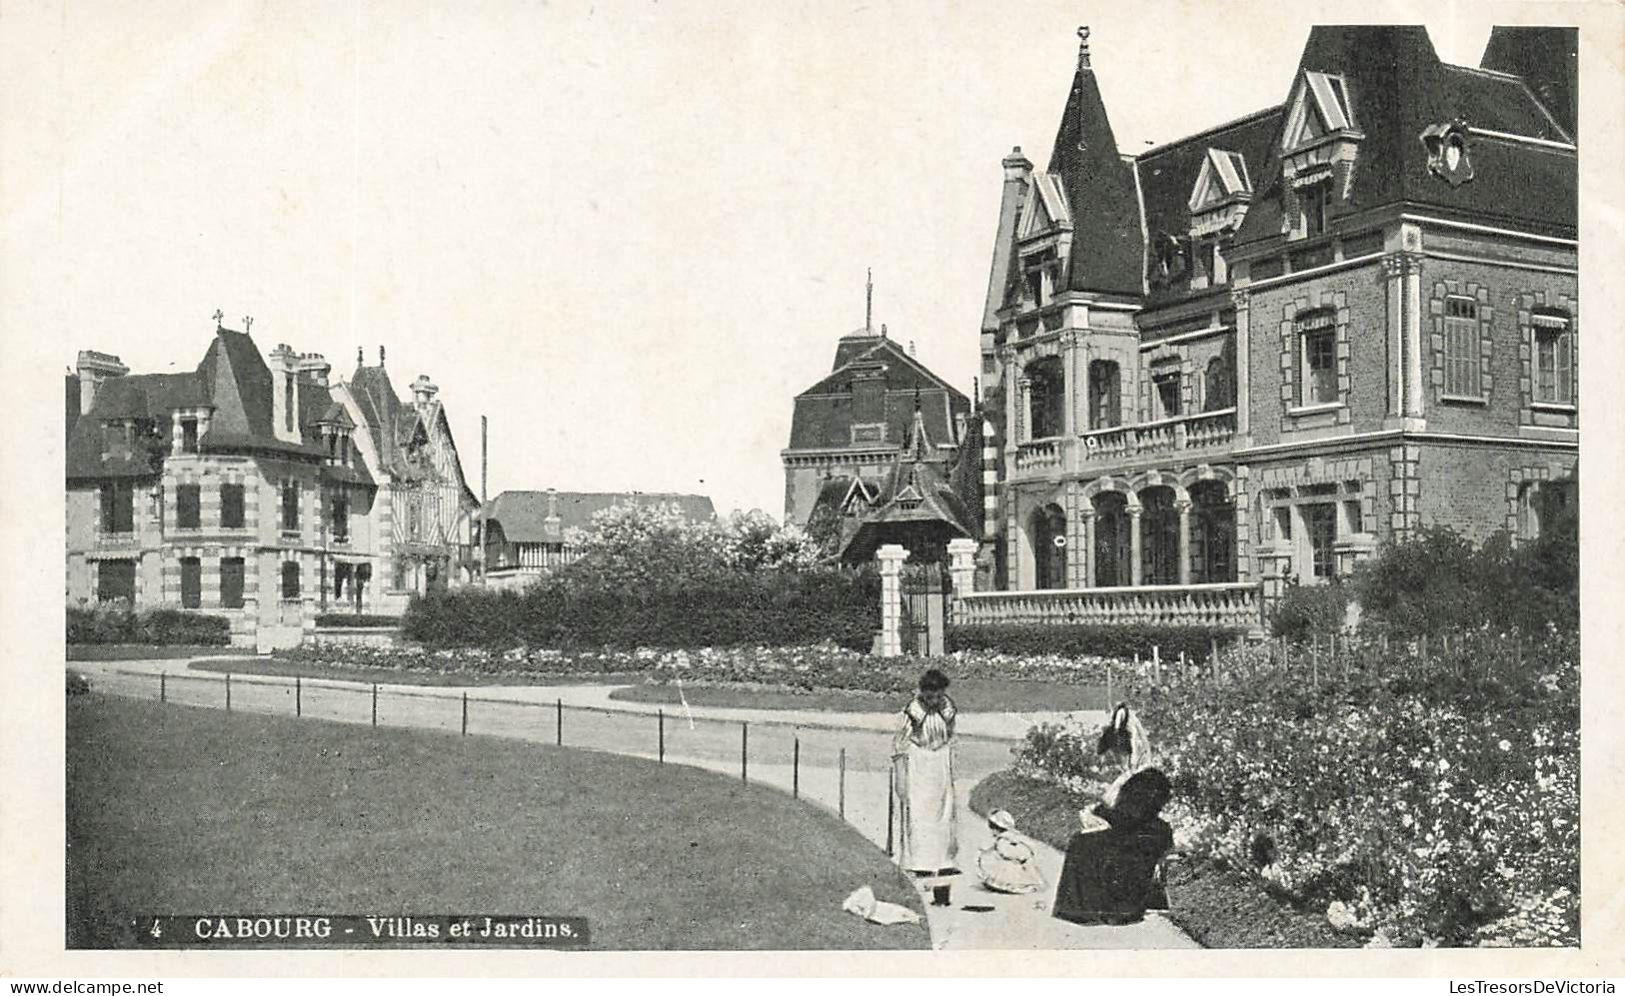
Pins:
x,y
923,783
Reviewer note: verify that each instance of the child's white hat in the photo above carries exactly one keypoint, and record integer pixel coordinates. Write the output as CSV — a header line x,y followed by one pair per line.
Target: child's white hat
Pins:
x,y
1002,820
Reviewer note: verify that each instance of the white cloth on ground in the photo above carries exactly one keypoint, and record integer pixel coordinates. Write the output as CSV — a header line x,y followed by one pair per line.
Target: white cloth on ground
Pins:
x,y
863,903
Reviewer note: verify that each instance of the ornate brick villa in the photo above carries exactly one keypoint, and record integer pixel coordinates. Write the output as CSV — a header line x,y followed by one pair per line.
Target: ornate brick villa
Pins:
x,y
1258,352
262,493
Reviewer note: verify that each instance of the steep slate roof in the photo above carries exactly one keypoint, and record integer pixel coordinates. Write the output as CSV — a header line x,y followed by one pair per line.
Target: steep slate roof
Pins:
x,y
1398,87
915,492
1107,245
1168,173
1548,60
823,413
522,515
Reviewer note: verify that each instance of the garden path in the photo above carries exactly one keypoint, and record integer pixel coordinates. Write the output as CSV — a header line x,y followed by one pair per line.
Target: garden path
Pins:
x,y
710,738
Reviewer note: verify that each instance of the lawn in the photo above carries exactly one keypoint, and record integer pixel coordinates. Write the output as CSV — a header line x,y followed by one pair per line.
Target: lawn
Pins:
x,y
972,695
1216,907
148,652
178,810
279,667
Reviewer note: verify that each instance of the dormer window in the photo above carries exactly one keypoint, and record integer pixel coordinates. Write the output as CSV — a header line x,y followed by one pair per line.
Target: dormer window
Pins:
x,y
1042,271
1320,110
1312,203
188,435
1319,147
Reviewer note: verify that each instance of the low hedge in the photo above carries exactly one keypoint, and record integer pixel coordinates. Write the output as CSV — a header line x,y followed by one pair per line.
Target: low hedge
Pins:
x,y
361,619
1120,642
156,627
723,609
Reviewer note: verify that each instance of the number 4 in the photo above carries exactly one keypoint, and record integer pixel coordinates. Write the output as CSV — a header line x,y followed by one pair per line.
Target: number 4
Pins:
x,y
157,928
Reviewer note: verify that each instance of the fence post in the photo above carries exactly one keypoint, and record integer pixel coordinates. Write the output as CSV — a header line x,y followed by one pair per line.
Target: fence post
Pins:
x,y
465,714
891,808
662,721
744,751
558,722
1184,667
228,691
298,696
1213,655
841,789
163,686
375,704
795,770
1108,686
1156,662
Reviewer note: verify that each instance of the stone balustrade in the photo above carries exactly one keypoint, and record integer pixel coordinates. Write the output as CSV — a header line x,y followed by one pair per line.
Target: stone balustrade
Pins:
x,y
1236,606
1039,454
1202,431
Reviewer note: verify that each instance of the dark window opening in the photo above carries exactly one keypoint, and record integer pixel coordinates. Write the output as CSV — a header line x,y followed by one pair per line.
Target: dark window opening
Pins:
x,y
1046,398
231,582
231,506
290,505
341,515
1219,385
191,583
1554,364
290,579
1166,382
1318,362
188,502
115,581
118,507
1320,522
188,435
1313,200
1105,395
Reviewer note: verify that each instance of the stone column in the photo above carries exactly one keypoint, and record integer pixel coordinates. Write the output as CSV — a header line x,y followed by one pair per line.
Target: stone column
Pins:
x,y
1074,534
962,566
1412,297
1393,272
1241,298
1087,513
891,557
1184,508
1069,383
1136,568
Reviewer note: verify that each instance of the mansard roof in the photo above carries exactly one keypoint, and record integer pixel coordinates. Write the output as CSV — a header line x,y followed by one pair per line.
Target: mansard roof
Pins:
x,y
822,419
1396,88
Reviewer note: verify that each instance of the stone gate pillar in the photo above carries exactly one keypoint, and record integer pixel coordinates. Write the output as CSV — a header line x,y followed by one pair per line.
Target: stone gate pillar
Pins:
x,y
891,557
962,566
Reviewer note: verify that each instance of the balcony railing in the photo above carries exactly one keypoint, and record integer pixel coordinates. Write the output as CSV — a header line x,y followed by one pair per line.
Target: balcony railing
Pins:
x,y
1233,606
1204,430
1039,454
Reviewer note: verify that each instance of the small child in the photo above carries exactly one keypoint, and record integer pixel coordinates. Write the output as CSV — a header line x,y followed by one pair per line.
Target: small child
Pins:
x,y
1008,865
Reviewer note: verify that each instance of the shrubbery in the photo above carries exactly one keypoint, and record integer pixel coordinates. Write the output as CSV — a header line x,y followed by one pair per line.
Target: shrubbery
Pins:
x,y
1439,583
1417,799
648,578
363,619
1120,642
159,627
1309,611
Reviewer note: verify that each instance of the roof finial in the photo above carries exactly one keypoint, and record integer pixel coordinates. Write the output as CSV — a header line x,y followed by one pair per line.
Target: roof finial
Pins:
x,y
218,317
869,299
916,397
1083,46
380,356
360,358
248,323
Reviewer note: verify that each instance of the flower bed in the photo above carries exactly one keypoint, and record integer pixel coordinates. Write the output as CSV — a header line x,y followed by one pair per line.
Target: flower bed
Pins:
x,y
824,666
1417,799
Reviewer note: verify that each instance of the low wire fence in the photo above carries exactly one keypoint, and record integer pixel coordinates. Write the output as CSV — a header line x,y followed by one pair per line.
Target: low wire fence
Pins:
x,y
841,769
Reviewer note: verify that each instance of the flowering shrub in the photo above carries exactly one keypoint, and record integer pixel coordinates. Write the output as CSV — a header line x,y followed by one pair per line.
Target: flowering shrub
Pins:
x,y
1420,799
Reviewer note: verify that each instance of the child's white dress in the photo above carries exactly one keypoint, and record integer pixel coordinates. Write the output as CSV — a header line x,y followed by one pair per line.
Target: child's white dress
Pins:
x,y
1008,865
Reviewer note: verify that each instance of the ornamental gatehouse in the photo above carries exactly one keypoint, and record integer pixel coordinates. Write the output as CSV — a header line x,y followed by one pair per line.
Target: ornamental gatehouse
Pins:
x,y
1254,354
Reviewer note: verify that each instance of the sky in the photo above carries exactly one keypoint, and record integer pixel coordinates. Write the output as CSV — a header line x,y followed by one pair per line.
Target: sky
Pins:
x,y
628,233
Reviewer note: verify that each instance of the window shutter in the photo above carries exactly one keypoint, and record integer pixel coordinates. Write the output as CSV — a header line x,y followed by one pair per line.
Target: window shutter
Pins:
x,y
1565,368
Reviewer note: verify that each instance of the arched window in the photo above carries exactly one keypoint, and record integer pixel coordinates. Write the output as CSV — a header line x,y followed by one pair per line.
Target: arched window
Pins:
x,y
1049,547
1213,534
1112,541
1159,537
1105,395
1046,398
1218,385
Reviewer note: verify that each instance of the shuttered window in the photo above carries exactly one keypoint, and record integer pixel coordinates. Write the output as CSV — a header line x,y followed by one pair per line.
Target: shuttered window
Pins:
x,y
231,582
1554,360
1461,348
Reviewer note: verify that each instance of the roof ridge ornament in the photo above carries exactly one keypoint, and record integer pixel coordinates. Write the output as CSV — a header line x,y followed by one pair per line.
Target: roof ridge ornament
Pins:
x,y
1083,46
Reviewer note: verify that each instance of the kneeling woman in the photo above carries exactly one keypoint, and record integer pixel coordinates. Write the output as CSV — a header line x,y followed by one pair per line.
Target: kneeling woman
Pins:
x,y
1110,875
923,783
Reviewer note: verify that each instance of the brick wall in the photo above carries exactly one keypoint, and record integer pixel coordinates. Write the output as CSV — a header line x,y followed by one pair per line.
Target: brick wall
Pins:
x,y
1471,489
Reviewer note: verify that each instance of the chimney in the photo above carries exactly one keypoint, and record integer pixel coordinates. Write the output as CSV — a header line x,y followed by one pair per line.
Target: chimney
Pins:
x,y
1017,166
285,393
423,392
316,367
553,524
94,368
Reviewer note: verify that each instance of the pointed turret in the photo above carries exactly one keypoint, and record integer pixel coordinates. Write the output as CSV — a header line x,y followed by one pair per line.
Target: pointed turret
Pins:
x,y
1107,242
